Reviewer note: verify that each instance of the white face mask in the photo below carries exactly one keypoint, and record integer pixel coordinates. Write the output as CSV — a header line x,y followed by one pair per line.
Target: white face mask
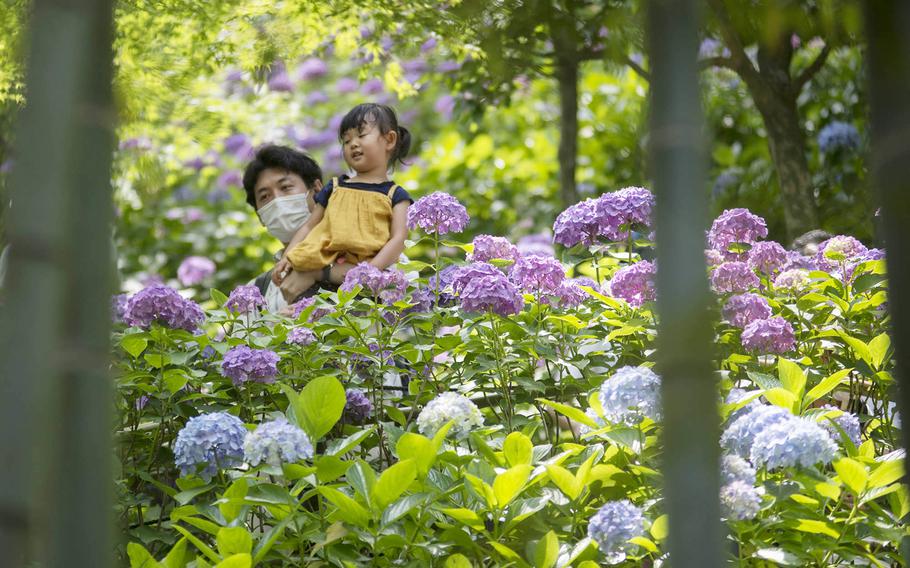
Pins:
x,y
282,216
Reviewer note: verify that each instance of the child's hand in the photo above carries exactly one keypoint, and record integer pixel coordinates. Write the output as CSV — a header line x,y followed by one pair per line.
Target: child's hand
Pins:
x,y
282,269
294,285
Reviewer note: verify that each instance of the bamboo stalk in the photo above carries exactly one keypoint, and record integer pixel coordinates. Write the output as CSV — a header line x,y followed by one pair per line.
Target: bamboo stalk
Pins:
x,y
689,390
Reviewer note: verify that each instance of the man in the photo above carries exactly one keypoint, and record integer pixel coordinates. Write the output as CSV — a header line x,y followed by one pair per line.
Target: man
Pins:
x,y
280,184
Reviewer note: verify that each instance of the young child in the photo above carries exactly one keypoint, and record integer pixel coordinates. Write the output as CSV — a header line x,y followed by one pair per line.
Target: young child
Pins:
x,y
356,219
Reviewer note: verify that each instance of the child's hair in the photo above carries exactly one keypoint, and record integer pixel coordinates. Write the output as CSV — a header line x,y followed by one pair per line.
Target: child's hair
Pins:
x,y
385,119
280,158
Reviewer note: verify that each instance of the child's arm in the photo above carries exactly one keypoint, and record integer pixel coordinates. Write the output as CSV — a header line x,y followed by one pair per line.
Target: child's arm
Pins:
x,y
284,264
391,251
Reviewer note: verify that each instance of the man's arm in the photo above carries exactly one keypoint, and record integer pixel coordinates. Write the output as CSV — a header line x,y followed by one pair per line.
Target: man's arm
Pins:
x,y
389,253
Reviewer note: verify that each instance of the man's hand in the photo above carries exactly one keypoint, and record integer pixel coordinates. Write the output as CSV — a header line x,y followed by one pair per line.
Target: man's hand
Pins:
x,y
282,269
295,284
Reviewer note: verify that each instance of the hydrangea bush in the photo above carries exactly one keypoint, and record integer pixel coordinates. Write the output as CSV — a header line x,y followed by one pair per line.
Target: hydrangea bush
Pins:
x,y
499,407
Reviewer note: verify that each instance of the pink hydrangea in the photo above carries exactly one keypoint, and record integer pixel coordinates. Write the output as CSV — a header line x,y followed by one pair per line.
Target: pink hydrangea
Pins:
x,y
733,277
487,247
743,309
438,213
767,257
769,336
736,226
195,269
494,293
538,274
388,285
635,283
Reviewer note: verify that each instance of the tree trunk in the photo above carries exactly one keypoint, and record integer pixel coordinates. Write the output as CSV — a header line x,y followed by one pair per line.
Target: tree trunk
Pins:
x,y
567,68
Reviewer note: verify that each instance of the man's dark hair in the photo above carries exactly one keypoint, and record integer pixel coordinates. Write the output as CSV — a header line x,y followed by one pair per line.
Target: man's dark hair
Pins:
x,y
279,158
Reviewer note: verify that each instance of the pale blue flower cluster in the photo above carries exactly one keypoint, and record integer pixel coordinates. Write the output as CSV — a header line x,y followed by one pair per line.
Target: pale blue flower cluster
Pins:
x,y
838,135
734,468
793,442
613,525
449,406
277,442
741,432
631,395
213,440
847,421
740,501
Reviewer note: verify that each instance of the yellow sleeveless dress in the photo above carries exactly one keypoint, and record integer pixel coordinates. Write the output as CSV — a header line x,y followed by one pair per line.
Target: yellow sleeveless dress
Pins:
x,y
357,223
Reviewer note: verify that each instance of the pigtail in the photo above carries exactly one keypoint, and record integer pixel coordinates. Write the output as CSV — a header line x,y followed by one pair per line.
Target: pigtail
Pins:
x,y
402,146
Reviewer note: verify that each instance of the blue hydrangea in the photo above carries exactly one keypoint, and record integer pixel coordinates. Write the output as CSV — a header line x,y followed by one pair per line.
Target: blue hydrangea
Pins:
x,y
838,135
213,440
847,421
592,414
735,396
792,442
740,501
449,406
734,468
631,395
613,525
277,442
740,434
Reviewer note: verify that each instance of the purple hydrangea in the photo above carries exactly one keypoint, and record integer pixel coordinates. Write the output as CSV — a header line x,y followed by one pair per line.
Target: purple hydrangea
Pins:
x,y
119,303
634,283
462,275
245,299
275,443
540,243
487,247
312,68
538,274
162,304
793,280
767,257
346,85
243,363
279,80
741,433
796,260
388,285
838,135
372,87
212,440
631,395
438,213
840,249
569,294
792,442
301,336
445,106
740,501
613,526
494,293
736,226
734,277
773,335
578,224
195,269
357,407
847,421
590,283
714,257
301,305
743,309
619,210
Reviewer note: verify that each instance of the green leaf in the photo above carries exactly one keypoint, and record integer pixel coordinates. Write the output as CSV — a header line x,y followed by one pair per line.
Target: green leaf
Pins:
x,y
457,561
886,472
234,540
645,543
564,480
826,385
518,449
351,511
402,507
362,478
878,348
176,558
418,448
852,473
465,516
218,297
792,376
570,412
547,551
341,447
134,344
393,482
175,379
203,548
660,528
859,348
330,468
509,484
781,397
232,500
140,557
482,488
319,406
236,561
816,527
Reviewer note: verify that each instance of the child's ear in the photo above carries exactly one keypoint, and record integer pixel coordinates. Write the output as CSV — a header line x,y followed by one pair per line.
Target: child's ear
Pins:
x,y
391,138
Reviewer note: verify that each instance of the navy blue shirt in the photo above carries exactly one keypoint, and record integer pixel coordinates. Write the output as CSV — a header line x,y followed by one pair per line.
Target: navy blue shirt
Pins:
x,y
400,194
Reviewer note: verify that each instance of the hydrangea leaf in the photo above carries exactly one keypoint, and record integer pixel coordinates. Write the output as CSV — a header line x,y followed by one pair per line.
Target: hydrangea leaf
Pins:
x,y
518,449
510,483
234,540
826,385
547,551
351,511
236,561
393,482
320,406
852,473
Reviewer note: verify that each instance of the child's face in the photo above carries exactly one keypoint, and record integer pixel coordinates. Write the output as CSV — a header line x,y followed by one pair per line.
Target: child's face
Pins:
x,y
366,149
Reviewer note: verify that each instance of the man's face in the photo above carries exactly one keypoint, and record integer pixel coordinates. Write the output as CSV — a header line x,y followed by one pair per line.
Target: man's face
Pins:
x,y
274,183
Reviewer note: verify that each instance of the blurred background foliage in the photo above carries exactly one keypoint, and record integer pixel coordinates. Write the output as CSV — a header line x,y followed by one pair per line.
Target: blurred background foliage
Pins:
x,y
477,83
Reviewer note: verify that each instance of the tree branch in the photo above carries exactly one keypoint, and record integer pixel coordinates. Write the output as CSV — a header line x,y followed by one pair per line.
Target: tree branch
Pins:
x,y
811,70
741,62
716,61
637,68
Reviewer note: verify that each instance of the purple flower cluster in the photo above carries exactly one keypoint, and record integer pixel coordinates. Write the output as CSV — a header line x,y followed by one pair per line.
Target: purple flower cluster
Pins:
x,y
569,294
462,275
610,215
357,407
438,213
613,526
488,247
540,243
767,257
538,274
736,226
388,285
301,336
243,364
743,309
212,440
118,307
773,335
490,292
578,224
796,260
837,250
635,283
245,299
195,269
733,276
164,305
793,280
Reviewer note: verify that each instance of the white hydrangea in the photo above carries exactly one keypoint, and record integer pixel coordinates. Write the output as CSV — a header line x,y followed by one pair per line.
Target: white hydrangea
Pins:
x,y
449,406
